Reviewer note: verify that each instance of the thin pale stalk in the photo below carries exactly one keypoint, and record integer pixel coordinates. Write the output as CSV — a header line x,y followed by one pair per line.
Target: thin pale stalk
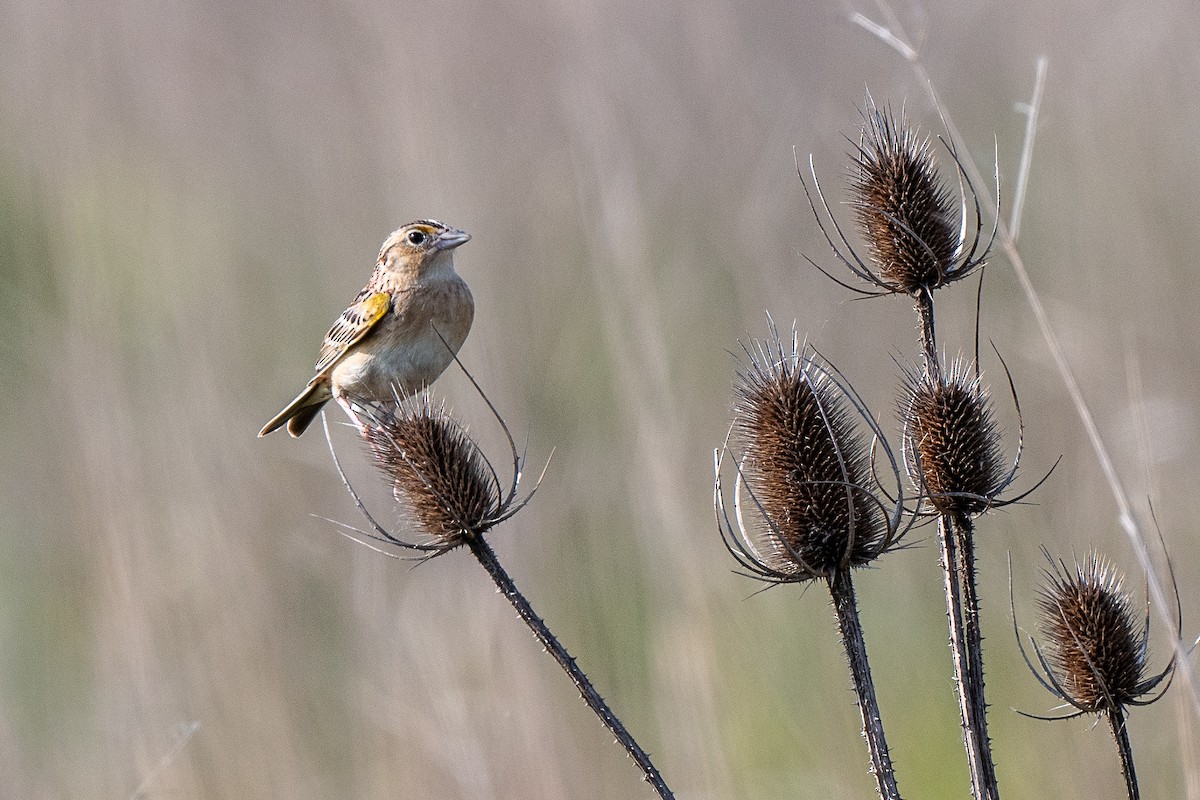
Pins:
x,y
841,588
487,558
1121,733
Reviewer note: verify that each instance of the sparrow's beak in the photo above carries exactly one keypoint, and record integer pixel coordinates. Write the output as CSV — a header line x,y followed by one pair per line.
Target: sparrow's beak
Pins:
x,y
452,238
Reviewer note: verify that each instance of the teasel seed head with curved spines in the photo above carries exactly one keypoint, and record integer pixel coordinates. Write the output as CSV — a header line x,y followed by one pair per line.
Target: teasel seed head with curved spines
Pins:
x,y
439,475
919,237
454,494
1094,653
805,499
952,444
436,467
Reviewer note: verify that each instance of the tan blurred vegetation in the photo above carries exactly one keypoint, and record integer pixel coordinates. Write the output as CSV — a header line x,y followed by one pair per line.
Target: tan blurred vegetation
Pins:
x,y
189,194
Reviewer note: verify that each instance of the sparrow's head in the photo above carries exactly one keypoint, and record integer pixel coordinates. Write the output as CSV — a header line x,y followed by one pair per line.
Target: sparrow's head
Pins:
x,y
421,247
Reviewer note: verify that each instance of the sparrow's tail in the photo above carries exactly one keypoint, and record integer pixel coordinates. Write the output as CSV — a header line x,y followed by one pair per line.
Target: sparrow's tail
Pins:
x,y
301,411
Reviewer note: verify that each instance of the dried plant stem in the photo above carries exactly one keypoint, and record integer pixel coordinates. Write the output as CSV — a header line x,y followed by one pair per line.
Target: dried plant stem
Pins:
x,y
1121,733
961,658
962,606
487,558
964,532
841,588
923,305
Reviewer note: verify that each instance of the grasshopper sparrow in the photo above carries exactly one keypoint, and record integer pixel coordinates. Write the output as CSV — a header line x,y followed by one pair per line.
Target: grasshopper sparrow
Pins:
x,y
386,345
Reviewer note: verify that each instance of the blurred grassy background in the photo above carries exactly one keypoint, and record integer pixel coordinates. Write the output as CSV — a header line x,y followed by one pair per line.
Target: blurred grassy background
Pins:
x,y
190,192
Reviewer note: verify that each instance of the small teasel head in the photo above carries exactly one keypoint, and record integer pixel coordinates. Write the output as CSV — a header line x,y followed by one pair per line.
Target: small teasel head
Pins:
x,y
805,497
915,227
1094,653
437,472
951,441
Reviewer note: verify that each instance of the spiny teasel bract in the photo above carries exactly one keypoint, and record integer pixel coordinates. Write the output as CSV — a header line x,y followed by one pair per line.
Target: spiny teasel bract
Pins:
x,y
1095,651
807,474
951,441
915,233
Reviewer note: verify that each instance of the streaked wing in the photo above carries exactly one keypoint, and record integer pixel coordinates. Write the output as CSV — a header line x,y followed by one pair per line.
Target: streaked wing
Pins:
x,y
354,323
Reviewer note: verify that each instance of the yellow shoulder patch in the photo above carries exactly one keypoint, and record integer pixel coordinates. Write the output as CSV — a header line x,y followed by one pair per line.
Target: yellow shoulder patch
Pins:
x,y
374,307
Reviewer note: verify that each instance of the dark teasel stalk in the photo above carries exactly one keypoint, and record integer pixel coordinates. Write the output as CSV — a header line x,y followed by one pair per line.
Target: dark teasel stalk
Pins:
x,y
805,502
454,495
919,239
952,450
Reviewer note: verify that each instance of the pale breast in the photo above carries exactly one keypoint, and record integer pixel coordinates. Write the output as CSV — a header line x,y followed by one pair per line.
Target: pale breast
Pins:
x,y
405,353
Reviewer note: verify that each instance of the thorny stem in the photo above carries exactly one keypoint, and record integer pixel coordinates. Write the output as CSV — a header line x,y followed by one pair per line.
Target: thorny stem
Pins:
x,y
923,305
964,532
962,606
962,672
1116,718
487,558
841,588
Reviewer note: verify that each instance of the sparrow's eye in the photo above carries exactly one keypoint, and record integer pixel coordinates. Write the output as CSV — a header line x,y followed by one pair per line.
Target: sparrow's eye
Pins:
x,y
417,238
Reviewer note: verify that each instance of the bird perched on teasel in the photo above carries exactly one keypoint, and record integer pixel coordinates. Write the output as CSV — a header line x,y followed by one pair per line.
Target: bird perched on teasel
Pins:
x,y
400,333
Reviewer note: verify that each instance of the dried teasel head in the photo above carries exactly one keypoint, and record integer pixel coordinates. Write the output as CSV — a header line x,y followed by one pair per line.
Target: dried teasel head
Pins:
x,y
914,226
436,470
438,473
1094,652
804,499
951,441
